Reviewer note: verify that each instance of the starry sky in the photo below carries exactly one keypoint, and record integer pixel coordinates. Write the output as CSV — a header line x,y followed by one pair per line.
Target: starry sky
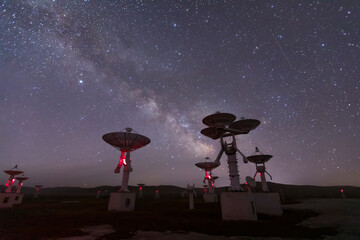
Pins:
x,y
71,71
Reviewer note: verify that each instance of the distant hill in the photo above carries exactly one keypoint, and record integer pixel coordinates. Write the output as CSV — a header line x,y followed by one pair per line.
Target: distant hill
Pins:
x,y
287,192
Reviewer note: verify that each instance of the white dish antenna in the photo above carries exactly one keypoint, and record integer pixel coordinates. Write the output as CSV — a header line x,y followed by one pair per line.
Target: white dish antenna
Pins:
x,y
260,159
126,142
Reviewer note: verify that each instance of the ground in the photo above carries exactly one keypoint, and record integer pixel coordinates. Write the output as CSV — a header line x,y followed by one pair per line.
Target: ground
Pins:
x,y
162,219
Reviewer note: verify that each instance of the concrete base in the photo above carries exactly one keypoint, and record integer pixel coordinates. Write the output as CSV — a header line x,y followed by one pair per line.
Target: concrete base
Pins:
x,y
268,203
121,201
238,206
18,198
7,200
210,197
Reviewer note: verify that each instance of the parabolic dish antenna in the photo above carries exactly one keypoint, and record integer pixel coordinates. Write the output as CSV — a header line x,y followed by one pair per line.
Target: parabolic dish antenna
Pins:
x,y
213,133
38,186
207,166
250,181
21,178
141,184
13,172
245,125
215,177
126,141
258,159
219,119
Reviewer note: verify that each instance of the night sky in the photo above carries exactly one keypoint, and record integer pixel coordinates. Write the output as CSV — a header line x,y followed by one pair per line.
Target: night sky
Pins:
x,y
71,71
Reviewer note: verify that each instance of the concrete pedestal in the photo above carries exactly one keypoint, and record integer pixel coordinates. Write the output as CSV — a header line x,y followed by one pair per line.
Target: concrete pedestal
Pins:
x,y
18,198
210,197
268,203
238,206
7,200
121,201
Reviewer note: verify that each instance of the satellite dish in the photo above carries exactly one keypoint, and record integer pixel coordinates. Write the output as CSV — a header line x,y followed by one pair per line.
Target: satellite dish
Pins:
x,y
221,125
207,166
250,181
219,119
214,133
258,159
215,177
13,172
245,125
21,178
38,186
126,141
141,184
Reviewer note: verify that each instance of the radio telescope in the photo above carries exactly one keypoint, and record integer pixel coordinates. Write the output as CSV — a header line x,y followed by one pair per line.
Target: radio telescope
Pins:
x,y
141,185
260,159
126,142
12,172
37,190
221,125
266,202
250,182
208,167
157,194
21,179
235,204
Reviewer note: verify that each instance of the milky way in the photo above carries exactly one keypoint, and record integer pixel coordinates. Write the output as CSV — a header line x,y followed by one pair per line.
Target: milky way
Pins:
x,y
71,71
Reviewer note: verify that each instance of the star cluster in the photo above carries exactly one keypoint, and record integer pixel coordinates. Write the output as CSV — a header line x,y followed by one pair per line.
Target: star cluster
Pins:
x,y
71,71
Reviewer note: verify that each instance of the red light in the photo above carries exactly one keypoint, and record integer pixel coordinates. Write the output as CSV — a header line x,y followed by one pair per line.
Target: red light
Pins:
x,y
7,184
140,188
341,190
21,184
37,189
122,159
13,180
157,191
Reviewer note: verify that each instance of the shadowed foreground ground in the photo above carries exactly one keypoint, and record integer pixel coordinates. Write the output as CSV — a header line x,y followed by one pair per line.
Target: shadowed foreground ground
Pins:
x,y
56,218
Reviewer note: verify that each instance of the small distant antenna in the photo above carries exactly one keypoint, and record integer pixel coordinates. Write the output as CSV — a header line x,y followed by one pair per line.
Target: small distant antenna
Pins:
x,y
259,161
36,195
208,167
250,182
141,185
